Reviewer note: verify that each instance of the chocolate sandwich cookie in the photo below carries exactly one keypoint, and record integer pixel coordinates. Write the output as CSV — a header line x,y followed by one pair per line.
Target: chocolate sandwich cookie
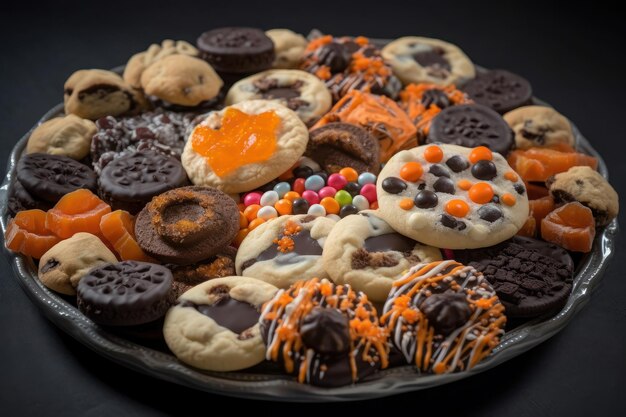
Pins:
x,y
215,325
129,183
159,130
324,334
236,51
443,317
338,145
125,293
187,225
500,90
50,177
218,266
20,199
472,125
531,277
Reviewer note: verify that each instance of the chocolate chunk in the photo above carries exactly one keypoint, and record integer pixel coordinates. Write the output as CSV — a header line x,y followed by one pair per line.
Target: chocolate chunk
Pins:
x,y
444,185
426,199
393,185
435,97
433,58
335,56
326,331
446,312
457,163
451,222
484,170
232,314
49,265
389,242
439,171
500,90
490,213
519,187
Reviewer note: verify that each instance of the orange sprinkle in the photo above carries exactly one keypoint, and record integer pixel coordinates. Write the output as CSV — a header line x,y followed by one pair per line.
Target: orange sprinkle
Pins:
x,y
464,184
439,368
480,153
411,171
361,40
484,303
323,73
255,223
406,204
285,244
349,174
319,42
511,176
508,199
457,208
433,154
481,193
291,228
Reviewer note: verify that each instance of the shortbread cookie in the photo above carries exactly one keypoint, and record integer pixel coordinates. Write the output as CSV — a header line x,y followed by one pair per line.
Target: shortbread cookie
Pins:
x,y
244,146
94,93
300,91
181,80
67,136
588,187
539,126
285,250
215,325
424,60
288,48
366,253
452,197
137,64
443,317
62,266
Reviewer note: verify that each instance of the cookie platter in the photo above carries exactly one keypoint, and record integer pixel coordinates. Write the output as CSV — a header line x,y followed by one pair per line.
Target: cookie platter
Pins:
x,y
267,382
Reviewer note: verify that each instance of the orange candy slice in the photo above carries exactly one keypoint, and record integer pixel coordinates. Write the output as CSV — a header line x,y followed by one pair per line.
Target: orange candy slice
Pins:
x,y
571,226
541,207
78,211
28,235
242,139
538,164
118,227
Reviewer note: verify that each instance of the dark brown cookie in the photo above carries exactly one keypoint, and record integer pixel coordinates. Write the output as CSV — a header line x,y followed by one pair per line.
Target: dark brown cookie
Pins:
x,y
221,265
20,199
500,90
187,225
530,276
339,145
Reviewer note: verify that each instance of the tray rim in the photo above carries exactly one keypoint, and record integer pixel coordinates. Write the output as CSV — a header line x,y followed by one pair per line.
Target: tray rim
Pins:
x,y
282,388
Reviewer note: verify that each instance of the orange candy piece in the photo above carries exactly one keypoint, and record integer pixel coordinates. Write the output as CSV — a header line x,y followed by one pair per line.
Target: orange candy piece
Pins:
x,y
508,199
331,205
406,204
27,234
349,174
241,235
251,211
464,184
481,193
433,154
255,223
243,220
284,206
411,171
538,164
242,139
118,227
480,153
457,208
571,226
78,211
291,196
511,176
541,207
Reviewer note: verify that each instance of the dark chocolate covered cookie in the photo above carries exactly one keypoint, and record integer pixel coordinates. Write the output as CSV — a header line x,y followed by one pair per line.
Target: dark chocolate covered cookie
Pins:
x,y
500,90
20,199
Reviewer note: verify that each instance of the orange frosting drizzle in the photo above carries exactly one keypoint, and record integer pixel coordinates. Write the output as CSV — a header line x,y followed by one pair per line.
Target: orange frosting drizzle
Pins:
x,y
241,139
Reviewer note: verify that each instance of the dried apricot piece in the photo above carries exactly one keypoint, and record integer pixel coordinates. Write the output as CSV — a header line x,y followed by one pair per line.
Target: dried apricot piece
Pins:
x,y
78,211
538,164
529,229
535,190
118,228
571,226
28,235
541,207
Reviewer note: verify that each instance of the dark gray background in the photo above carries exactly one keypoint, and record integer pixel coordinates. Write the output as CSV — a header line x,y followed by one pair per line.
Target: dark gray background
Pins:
x,y
572,57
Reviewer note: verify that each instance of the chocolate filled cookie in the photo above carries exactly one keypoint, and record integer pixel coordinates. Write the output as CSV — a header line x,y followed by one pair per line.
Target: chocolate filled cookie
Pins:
x,y
298,90
129,183
472,125
236,51
50,177
187,225
531,277
443,317
499,90
218,266
338,145
125,293
324,334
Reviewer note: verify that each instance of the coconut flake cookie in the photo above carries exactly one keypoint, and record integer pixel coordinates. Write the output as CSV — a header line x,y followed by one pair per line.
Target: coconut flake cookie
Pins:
x,y
452,197
244,146
365,252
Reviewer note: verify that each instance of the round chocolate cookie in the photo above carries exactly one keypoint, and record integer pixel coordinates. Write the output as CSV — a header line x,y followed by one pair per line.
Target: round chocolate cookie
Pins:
x,y
236,50
500,90
125,293
50,177
20,199
325,334
187,225
130,182
530,276
472,125
338,145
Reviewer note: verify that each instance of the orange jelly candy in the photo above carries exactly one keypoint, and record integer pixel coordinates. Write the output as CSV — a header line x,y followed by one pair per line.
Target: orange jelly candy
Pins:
x,y
28,235
538,164
535,190
571,226
541,207
242,139
529,229
118,227
78,211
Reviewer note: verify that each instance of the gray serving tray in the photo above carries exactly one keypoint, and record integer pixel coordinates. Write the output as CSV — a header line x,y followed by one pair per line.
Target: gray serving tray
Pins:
x,y
270,386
